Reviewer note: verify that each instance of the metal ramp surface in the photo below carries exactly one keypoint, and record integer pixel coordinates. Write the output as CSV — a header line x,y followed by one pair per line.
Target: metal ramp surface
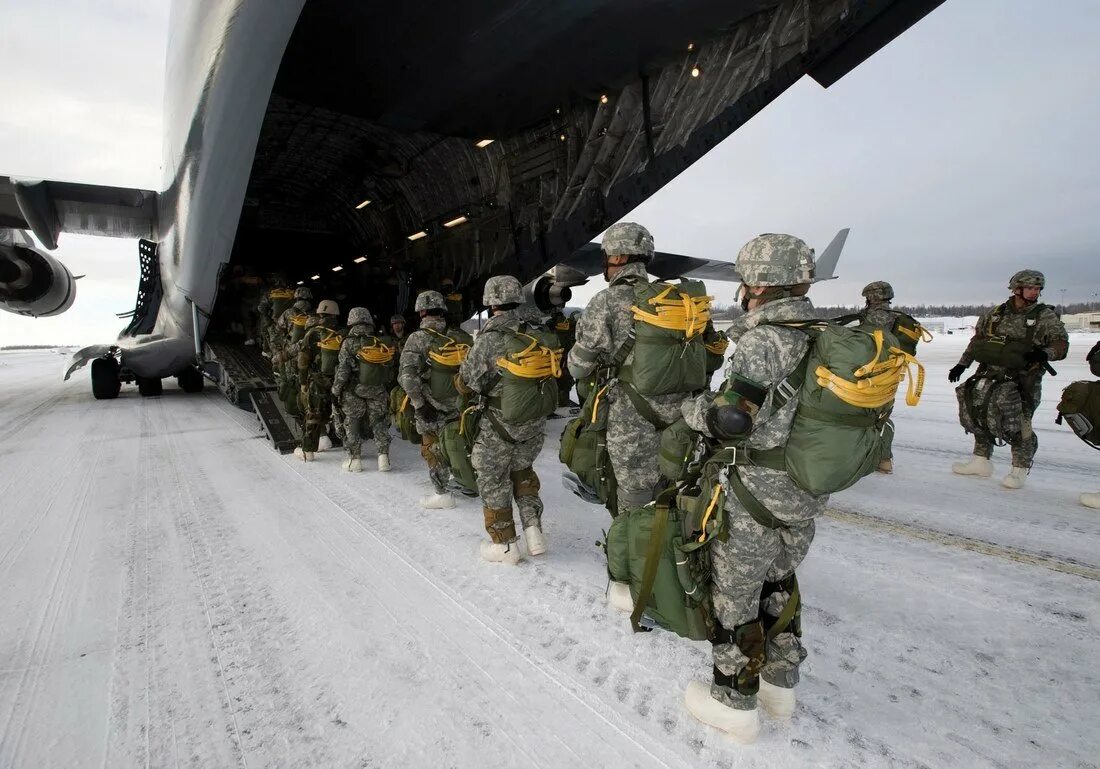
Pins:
x,y
273,420
244,375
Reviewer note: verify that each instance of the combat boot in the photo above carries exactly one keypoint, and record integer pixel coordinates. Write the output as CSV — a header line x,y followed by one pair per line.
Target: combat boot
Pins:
x,y
536,540
383,463
1015,478
355,465
1090,500
619,598
324,443
438,501
741,726
305,456
778,701
493,552
886,467
978,466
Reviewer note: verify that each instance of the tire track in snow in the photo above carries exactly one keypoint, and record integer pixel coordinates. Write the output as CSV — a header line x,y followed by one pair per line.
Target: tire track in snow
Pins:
x,y
960,542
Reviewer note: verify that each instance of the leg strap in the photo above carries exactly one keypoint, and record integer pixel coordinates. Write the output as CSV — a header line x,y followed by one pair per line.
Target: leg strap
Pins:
x,y
751,639
790,618
500,524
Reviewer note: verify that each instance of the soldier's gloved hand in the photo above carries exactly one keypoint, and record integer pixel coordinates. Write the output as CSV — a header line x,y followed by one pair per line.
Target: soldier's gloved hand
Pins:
x,y
956,373
1036,355
427,412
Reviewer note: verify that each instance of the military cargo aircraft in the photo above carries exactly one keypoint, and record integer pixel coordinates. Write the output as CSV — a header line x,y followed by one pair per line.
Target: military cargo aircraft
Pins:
x,y
372,150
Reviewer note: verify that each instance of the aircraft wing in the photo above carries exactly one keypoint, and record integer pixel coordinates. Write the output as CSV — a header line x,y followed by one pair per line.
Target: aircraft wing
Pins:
x,y
48,208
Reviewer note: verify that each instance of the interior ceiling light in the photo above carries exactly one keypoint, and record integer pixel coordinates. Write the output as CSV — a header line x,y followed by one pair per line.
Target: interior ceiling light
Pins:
x,y
561,137
418,235
337,268
360,260
315,277
456,221
483,143
364,204
301,282
695,72
603,99
691,46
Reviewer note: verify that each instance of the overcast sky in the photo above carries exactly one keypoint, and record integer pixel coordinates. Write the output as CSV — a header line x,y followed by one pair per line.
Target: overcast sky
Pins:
x,y
963,151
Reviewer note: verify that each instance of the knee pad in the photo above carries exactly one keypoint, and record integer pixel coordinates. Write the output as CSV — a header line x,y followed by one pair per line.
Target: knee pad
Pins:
x,y
428,443
525,483
500,524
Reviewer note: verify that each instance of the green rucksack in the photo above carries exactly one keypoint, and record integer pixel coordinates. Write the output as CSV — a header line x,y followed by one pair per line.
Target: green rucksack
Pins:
x,y
997,350
376,360
909,332
445,356
583,451
404,415
1080,406
668,339
457,442
528,375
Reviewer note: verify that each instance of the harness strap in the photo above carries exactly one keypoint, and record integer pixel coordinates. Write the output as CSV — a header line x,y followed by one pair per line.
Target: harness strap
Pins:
x,y
641,405
498,428
752,505
652,558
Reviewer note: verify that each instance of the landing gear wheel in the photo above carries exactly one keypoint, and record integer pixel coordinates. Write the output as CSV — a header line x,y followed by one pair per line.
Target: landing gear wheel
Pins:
x,y
149,387
190,380
105,382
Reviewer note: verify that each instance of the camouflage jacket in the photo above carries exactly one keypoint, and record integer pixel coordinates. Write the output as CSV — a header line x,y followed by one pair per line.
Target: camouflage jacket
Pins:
x,y
879,315
1012,323
282,323
765,355
309,355
415,370
481,373
603,328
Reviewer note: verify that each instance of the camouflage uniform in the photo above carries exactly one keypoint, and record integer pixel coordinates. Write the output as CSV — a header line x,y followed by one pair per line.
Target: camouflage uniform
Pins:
x,y
1016,394
315,398
284,360
754,554
359,402
503,455
413,377
632,441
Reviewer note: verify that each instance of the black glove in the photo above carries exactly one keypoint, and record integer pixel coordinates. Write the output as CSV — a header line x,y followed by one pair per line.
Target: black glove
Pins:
x,y
427,412
1036,355
956,373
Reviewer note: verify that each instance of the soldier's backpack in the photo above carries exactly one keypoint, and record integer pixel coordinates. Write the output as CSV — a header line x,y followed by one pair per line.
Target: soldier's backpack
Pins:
x,y
845,387
668,340
1080,407
329,345
445,356
281,299
583,450
909,332
298,326
457,443
528,375
376,360
998,350
404,415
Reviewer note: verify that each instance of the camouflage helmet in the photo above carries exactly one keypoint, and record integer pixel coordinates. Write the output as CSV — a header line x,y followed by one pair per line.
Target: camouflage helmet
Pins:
x,y
878,291
430,300
303,292
328,307
1027,279
502,289
360,315
628,239
397,318
775,260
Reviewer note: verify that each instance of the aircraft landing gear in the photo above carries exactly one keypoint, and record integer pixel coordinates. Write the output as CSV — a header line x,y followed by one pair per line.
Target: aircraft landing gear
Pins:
x,y
190,380
105,381
150,386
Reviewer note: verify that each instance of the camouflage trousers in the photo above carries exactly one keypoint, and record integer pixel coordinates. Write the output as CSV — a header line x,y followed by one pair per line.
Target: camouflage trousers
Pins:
x,y
504,472
370,415
753,555
431,449
1013,407
316,407
633,444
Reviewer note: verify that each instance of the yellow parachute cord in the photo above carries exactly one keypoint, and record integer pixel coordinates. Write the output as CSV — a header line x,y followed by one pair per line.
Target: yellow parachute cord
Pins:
x,y
378,353
596,402
331,342
710,509
280,293
404,403
686,313
299,320
563,326
718,347
534,361
451,353
462,420
919,333
876,382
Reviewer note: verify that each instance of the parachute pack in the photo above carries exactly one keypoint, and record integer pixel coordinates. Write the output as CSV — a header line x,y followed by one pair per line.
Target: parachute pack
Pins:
x,y
376,360
445,356
529,370
583,451
403,415
281,299
329,345
457,443
844,389
908,331
298,326
1080,408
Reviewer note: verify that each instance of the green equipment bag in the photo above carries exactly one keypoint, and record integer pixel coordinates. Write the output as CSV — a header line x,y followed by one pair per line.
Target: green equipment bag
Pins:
x,y
716,345
329,346
909,332
376,360
403,415
1080,407
445,356
991,408
583,451
457,442
528,374
281,299
670,355
995,349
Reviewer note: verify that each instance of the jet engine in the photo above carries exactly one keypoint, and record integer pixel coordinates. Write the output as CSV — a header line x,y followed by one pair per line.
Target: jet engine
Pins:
x,y
551,289
32,283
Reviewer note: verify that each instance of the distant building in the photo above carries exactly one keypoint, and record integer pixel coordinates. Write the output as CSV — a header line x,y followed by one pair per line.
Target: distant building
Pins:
x,y
1082,321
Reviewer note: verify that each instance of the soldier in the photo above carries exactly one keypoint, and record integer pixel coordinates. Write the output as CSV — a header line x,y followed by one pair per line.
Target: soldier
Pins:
x,y
877,312
566,329
753,569
503,453
1089,499
432,412
397,328
318,353
1013,344
364,400
284,358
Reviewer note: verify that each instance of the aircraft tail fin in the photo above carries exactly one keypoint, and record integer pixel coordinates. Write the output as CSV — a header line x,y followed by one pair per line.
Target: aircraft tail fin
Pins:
x,y
826,263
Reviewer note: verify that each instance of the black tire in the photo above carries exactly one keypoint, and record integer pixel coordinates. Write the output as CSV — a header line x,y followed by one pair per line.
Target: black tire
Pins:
x,y
105,382
149,387
190,380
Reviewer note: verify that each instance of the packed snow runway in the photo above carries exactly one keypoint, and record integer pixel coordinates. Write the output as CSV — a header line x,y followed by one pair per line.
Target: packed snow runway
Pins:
x,y
174,592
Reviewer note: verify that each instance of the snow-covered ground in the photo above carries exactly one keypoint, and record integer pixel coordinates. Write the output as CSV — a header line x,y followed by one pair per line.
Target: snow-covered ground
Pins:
x,y
173,592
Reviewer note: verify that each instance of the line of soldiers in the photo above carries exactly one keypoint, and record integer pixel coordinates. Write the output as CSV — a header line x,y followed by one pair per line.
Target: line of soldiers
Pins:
x,y
496,391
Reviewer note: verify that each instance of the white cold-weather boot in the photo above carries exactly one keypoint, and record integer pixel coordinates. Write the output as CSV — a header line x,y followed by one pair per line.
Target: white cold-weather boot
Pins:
x,y
886,466
979,466
1015,478
498,553
619,598
383,463
739,725
355,465
324,443
308,456
536,540
438,501
778,701
1089,499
